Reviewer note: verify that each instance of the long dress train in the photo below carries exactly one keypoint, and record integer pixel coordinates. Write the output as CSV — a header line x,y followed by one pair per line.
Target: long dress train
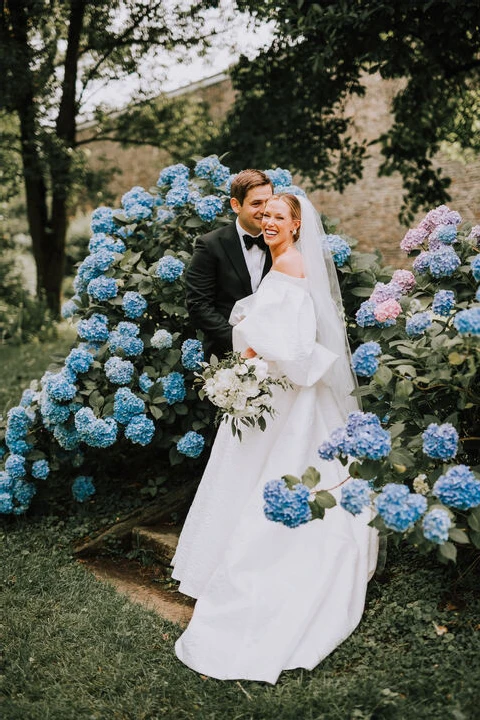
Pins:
x,y
271,598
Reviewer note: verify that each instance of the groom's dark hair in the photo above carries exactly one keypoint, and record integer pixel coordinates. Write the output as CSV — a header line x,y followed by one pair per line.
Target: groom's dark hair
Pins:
x,y
245,181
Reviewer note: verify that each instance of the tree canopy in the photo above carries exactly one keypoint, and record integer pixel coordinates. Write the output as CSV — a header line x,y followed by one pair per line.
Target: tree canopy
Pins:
x,y
56,56
290,107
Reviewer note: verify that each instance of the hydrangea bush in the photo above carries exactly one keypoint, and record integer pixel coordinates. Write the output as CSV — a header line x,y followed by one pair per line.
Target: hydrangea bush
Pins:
x,y
123,401
414,454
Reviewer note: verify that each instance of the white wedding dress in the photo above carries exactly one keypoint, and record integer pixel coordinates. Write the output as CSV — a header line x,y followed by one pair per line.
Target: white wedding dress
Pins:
x,y
272,598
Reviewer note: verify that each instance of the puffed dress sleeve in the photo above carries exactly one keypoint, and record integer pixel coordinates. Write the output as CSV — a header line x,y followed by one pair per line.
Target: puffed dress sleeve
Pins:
x,y
278,322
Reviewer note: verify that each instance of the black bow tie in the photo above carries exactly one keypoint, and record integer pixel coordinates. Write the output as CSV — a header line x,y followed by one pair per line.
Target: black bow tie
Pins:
x,y
258,241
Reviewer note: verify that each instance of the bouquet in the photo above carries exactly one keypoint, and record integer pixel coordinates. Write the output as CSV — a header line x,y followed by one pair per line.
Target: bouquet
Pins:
x,y
241,388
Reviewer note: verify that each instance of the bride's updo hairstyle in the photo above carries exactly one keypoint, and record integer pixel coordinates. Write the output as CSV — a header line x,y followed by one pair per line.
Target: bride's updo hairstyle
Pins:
x,y
293,205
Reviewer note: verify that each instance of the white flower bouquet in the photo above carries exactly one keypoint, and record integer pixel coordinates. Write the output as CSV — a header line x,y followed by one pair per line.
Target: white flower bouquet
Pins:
x,y
241,388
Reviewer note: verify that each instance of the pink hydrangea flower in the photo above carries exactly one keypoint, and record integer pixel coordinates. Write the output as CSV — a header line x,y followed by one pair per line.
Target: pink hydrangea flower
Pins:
x,y
452,218
414,238
387,310
405,279
474,233
435,217
385,291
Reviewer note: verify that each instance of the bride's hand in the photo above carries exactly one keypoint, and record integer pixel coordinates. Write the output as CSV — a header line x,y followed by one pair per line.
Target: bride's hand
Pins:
x,y
248,353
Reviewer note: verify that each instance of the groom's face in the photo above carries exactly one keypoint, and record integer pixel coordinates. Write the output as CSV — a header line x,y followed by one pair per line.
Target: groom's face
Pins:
x,y
250,213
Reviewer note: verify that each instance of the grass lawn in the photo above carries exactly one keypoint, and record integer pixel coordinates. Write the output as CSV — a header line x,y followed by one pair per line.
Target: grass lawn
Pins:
x,y
73,648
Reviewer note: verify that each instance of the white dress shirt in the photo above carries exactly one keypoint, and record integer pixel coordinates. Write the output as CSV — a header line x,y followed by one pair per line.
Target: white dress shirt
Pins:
x,y
255,258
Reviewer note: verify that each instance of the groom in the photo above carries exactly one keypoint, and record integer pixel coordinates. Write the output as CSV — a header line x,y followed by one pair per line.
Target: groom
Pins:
x,y
229,263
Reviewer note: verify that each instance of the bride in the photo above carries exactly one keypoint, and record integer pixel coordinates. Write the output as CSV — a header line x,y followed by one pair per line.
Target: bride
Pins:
x,y
271,598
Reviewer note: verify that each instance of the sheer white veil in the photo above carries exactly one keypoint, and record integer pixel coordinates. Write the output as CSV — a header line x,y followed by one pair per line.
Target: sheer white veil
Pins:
x,y
327,299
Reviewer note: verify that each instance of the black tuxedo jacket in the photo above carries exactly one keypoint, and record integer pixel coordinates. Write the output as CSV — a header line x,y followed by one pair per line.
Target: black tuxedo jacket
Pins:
x,y
216,278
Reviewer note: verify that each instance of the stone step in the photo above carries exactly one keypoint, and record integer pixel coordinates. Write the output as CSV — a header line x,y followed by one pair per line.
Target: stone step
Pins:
x,y
161,541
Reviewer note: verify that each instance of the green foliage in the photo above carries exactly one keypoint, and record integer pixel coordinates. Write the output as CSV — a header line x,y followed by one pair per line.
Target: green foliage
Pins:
x,y
291,102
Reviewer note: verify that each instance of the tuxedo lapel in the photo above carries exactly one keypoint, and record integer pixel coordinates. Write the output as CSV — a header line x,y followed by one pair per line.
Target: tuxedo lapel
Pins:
x,y
233,250
268,263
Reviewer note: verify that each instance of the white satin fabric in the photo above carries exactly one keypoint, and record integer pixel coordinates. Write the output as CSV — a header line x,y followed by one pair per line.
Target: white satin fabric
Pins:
x,y
272,598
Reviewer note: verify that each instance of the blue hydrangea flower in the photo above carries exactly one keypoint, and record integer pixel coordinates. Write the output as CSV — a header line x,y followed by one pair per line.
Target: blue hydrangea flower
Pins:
x,y
178,195
144,382
67,438
102,220
59,387
70,307
40,469
399,508
140,430
289,507
475,265
164,216
458,488
138,203
422,262
23,493
290,189
364,359
119,371
102,288
191,444
6,482
95,328
210,168
92,267
83,488
443,301
365,315
446,234
173,387
53,413
362,437
192,354
101,241
95,432
443,262
79,360
208,207
436,525
172,173
15,466
126,405
467,322
3,451
418,324
18,420
161,340
355,496
130,345
28,396
134,304
17,446
339,248
279,177
6,503
128,329
440,441
169,268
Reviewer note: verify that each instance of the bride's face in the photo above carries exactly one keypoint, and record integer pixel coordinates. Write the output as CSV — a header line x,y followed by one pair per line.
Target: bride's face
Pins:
x,y
277,224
